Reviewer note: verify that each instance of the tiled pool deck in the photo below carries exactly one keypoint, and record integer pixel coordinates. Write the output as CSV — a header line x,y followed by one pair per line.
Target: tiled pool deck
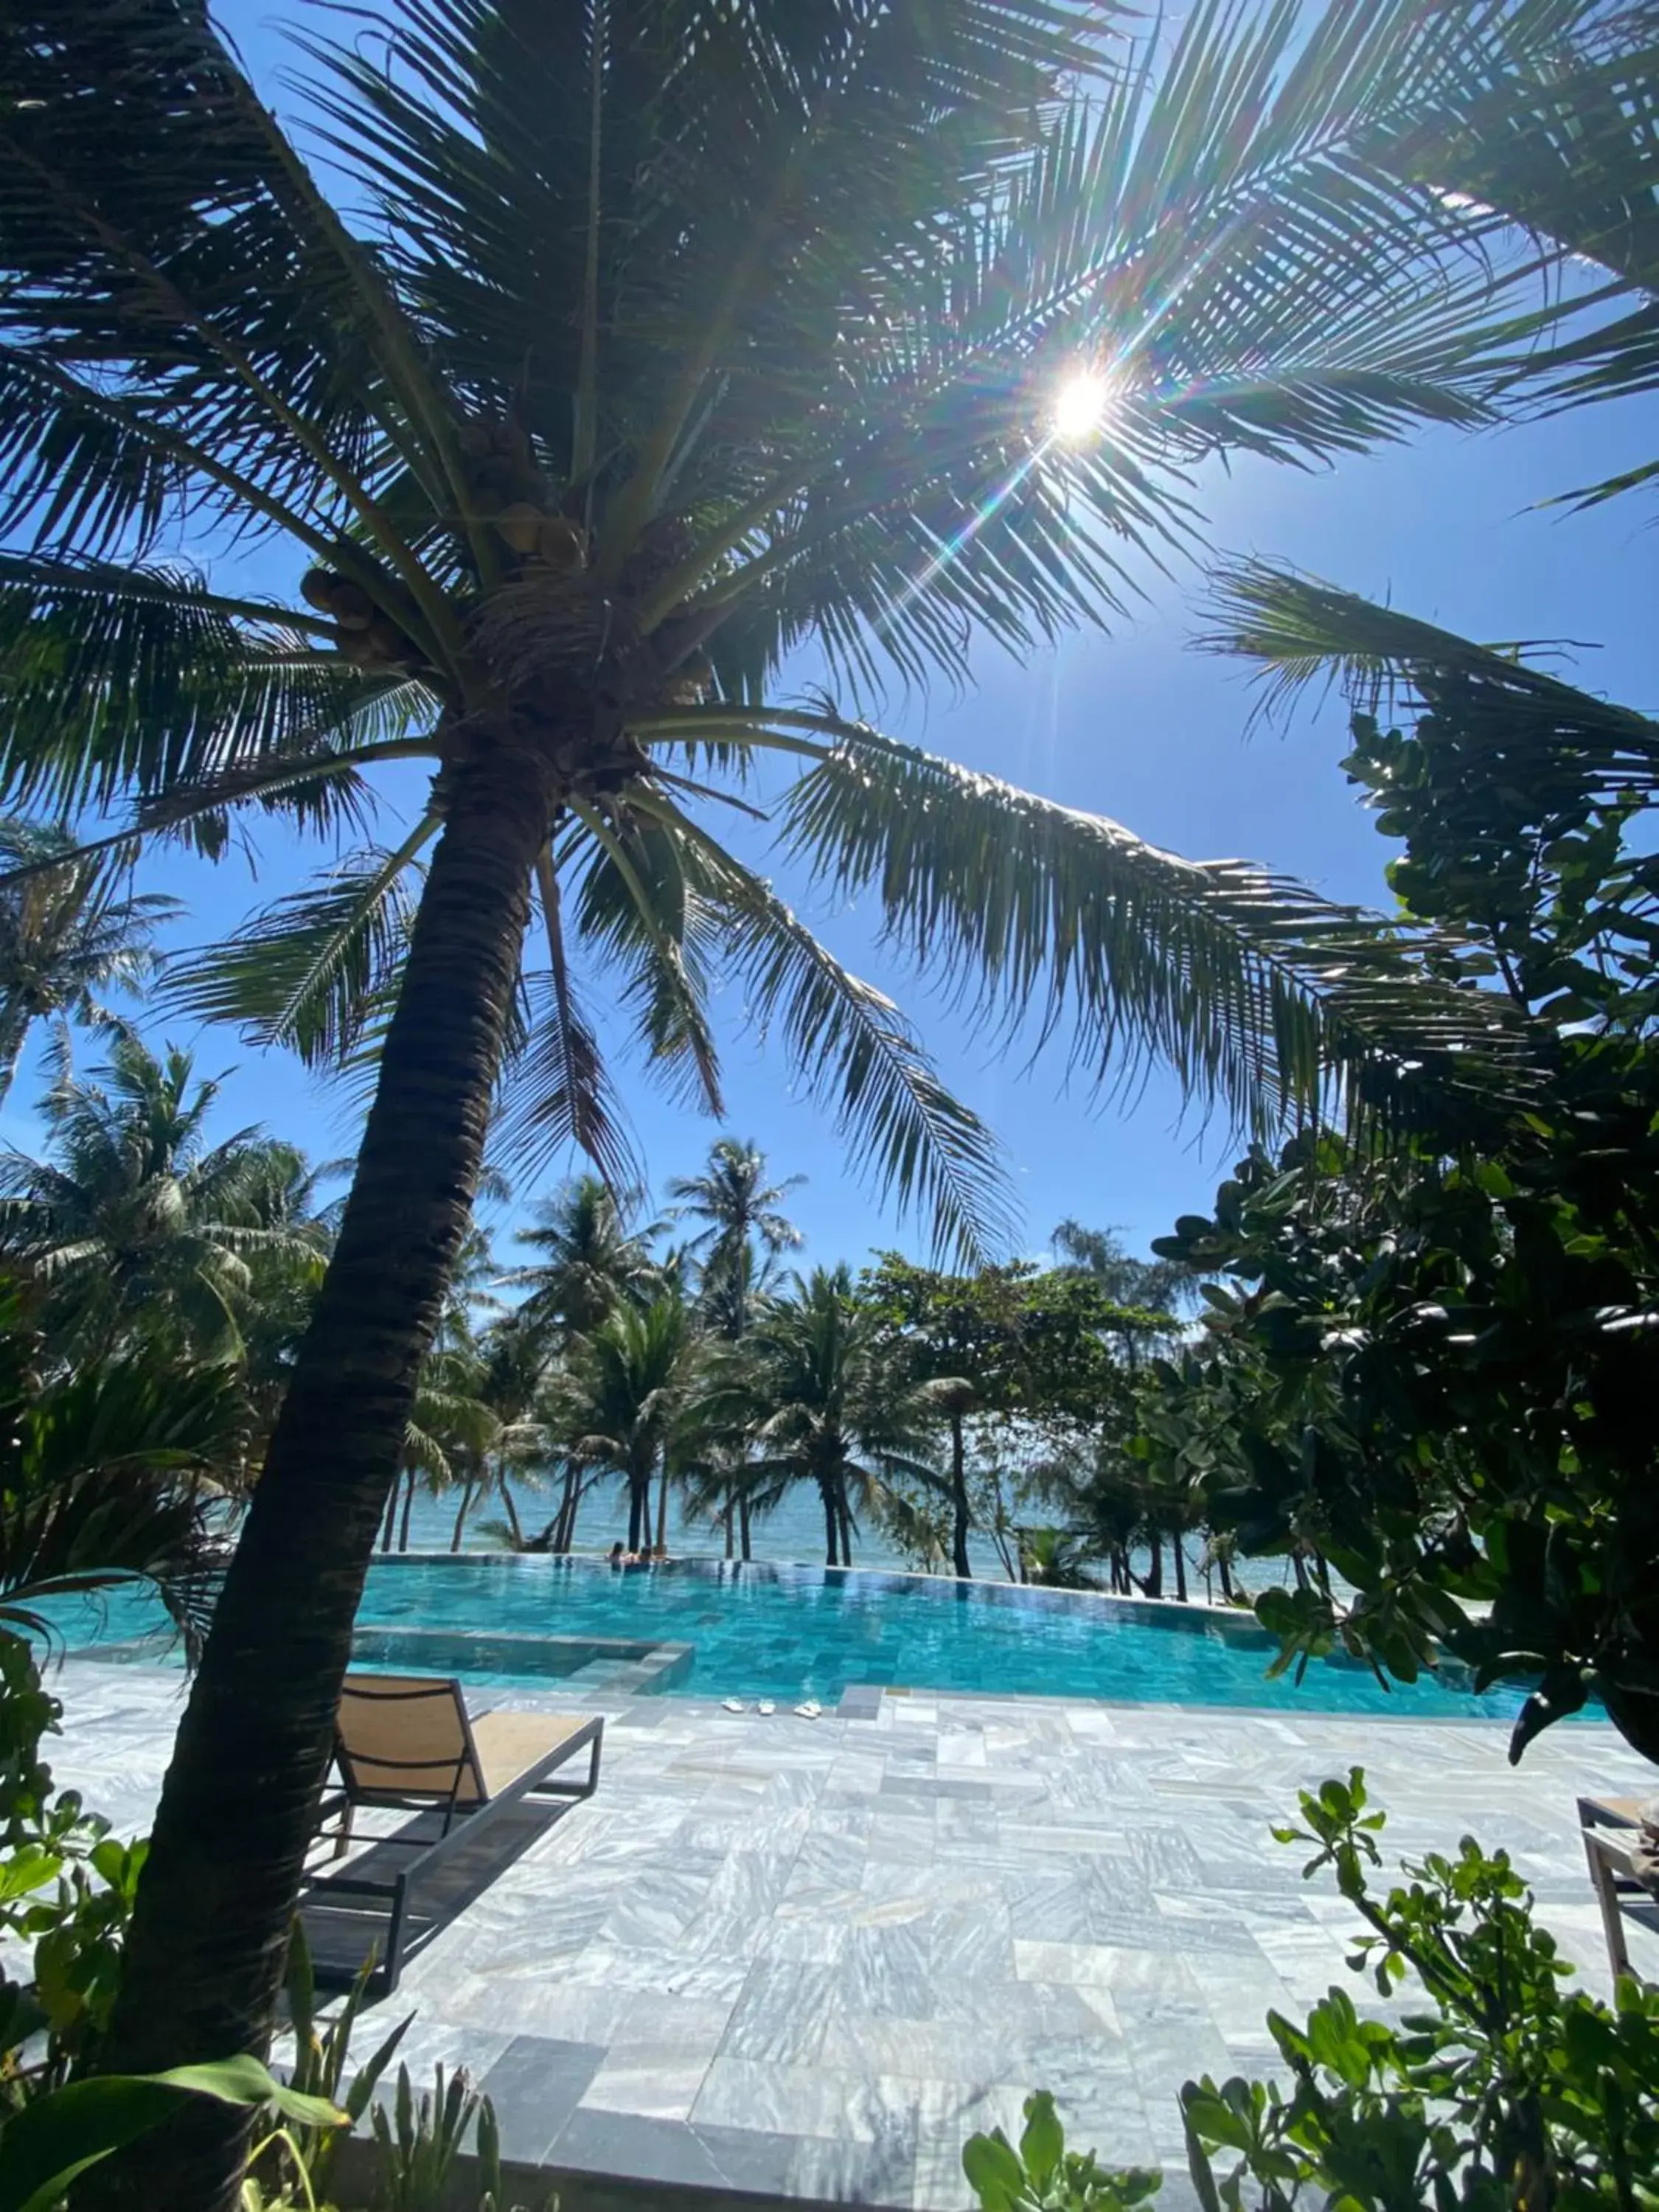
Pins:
x,y
811,1957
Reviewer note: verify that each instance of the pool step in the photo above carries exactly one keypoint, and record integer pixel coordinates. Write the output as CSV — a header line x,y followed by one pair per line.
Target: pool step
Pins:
x,y
618,1666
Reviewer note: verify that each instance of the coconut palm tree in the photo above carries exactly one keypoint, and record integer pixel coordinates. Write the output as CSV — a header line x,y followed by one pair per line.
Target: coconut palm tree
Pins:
x,y
825,1399
68,934
590,1258
284,1274
621,1398
740,1211
135,1227
745,1230
447,1439
646,342
510,1366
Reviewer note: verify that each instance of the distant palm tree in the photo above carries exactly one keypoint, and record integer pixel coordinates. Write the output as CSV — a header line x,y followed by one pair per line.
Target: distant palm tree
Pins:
x,y
590,1258
446,1439
285,1277
740,1211
744,1231
510,1365
621,1398
68,932
135,1227
825,1399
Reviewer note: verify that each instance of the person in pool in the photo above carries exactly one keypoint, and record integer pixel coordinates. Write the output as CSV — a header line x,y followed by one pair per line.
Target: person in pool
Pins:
x,y
620,1556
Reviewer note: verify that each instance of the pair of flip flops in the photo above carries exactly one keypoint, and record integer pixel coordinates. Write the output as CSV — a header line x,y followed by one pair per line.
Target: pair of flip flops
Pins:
x,y
809,1711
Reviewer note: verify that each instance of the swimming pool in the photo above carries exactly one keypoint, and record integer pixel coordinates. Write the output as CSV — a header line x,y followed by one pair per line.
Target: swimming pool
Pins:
x,y
707,1629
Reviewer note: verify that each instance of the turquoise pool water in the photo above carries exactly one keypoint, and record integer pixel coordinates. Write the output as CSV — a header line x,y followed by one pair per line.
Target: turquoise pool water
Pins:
x,y
796,1632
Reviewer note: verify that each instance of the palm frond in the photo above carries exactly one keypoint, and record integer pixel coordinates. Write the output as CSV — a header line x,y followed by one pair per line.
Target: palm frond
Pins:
x,y
98,1500
1567,148
1261,996
852,1049
163,252
116,680
636,907
315,970
553,1094
1298,631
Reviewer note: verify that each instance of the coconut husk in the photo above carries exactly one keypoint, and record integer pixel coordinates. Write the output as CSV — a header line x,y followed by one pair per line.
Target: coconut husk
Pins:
x,y
350,605
562,544
545,633
520,524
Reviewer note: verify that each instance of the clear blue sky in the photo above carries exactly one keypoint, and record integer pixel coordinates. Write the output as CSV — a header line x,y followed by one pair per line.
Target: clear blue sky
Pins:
x,y
1137,727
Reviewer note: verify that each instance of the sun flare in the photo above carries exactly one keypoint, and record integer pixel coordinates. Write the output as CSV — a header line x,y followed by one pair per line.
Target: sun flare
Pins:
x,y
1080,406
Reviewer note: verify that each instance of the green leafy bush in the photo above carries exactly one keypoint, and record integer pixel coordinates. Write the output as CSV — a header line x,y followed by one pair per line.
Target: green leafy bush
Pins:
x,y
1043,2176
66,1894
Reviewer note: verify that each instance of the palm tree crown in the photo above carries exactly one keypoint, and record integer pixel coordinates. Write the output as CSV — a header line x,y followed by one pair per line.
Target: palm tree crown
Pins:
x,y
134,1224
740,1211
589,1259
580,543
828,1400
68,932
620,1396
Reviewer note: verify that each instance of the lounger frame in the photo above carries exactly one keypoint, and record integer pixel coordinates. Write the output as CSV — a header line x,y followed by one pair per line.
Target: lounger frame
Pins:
x,y
439,1794
1606,1825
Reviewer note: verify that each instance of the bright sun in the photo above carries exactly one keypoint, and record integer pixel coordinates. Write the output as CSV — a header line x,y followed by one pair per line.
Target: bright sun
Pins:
x,y
1080,406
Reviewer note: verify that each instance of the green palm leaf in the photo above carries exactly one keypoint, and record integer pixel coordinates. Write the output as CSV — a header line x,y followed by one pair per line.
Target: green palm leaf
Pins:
x,y
318,967
1299,631
117,680
555,1095
1257,992
1567,149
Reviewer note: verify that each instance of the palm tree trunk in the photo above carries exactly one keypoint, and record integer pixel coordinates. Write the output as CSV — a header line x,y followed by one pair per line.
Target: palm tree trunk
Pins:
x,y
14,1035
662,1511
461,1518
639,1512
1153,1585
510,1506
831,1526
564,1521
1225,1573
743,1527
725,1518
205,1958
409,1508
846,1530
389,1522
1180,1567
961,1563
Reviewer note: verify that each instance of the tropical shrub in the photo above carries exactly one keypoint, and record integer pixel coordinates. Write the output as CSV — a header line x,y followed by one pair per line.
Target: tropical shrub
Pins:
x,y
1511,2094
1039,2174
1430,1367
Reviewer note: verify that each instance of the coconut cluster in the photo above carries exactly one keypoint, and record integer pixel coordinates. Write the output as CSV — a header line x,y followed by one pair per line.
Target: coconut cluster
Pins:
x,y
547,629
505,489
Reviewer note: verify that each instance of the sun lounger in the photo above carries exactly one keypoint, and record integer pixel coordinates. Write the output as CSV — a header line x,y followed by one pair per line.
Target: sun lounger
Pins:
x,y
407,1741
1612,1830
